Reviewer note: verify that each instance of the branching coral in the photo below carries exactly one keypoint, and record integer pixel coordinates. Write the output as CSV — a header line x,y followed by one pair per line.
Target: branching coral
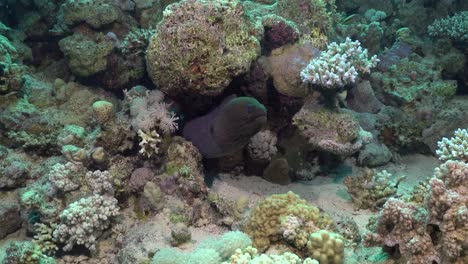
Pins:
x,y
44,239
24,252
66,177
339,65
455,148
401,225
82,221
370,189
149,143
434,231
454,27
100,182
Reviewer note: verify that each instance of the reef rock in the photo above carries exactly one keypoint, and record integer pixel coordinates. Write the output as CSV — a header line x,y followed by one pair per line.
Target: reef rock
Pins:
x,y
200,46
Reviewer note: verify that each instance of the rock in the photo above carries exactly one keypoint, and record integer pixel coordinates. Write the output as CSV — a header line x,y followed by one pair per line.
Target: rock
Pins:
x,y
374,154
277,172
10,219
103,111
86,56
201,46
180,234
362,99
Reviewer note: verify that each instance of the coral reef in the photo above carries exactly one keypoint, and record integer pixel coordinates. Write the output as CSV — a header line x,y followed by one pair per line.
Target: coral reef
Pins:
x,y
250,255
284,65
81,220
66,177
149,111
411,226
262,146
200,46
86,56
455,148
211,251
454,27
271,220
338,133
326,247
339,65
96,13
371,189
145,131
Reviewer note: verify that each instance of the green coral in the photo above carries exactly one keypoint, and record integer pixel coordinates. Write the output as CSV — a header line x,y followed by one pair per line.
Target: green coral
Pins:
x,y
413,78
211,251
10,71
200,46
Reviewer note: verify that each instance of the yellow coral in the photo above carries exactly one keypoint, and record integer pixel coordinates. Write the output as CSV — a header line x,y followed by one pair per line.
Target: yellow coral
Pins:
x,y
327,247
266,222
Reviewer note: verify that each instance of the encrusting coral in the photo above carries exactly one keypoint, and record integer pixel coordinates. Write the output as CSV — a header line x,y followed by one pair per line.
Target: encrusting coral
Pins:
x,y
335,132
200,46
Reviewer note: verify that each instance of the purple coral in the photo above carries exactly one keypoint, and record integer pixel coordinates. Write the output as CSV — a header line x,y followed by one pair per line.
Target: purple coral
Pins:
x,y
279,34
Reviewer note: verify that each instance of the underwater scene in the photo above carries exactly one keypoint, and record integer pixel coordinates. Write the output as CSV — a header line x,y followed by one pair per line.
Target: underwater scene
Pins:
x,y
233,131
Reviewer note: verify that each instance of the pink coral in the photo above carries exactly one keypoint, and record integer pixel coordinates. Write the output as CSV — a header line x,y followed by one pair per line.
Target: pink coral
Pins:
x,y
409,227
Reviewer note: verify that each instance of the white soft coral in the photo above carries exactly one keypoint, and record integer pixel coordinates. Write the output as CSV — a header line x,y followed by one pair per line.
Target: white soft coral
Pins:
x,y
151,112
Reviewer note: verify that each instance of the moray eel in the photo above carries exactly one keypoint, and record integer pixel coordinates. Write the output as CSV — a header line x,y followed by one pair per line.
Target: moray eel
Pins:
x,y
227,128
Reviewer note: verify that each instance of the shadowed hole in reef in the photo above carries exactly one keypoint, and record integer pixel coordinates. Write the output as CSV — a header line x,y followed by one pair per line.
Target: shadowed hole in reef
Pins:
x,y
435,233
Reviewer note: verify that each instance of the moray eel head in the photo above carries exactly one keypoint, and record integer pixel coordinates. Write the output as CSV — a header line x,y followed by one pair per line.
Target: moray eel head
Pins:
x,y
238,121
